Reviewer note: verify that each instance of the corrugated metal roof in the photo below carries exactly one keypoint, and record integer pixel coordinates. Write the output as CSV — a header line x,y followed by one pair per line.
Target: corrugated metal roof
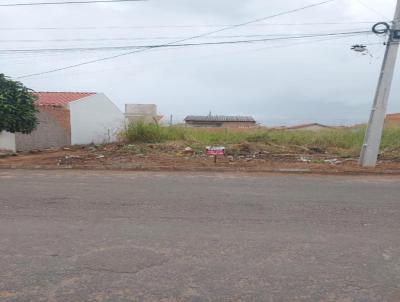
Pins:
x,y
59,98
219,118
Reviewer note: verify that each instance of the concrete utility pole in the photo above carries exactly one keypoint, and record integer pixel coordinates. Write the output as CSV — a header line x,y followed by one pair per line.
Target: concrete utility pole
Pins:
x,y
373,136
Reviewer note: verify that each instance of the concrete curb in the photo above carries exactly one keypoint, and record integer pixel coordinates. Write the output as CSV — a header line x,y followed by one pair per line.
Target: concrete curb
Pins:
x,y
140,168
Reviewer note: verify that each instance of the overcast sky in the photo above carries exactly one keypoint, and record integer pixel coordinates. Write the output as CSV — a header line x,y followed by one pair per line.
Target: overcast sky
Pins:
x,y
278,82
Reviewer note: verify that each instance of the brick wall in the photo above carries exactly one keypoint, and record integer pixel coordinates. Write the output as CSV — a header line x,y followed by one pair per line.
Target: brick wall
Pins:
x,y
238,125
393,119
54,130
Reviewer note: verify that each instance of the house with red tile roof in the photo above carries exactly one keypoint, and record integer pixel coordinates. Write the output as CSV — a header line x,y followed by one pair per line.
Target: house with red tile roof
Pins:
x,y
68,118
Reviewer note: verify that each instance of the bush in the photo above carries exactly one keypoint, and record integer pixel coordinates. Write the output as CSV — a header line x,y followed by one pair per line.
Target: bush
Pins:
x,y
17,107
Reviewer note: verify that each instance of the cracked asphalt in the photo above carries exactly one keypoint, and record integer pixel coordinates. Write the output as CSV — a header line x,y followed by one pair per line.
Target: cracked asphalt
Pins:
x,y
128,236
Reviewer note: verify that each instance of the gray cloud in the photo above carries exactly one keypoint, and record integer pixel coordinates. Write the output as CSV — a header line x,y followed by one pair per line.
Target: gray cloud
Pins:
x,y
279,82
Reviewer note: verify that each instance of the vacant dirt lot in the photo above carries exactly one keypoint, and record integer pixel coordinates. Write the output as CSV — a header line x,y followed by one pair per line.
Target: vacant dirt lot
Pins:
x,y
174,157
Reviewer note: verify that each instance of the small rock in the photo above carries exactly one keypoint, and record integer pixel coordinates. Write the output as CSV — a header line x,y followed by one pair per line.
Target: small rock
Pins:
x,y
230,158
100,156
249,159
333,161
188,150
304,159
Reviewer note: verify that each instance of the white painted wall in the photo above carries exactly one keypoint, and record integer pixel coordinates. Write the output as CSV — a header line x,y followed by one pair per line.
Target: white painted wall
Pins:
x,y
95,119
7,141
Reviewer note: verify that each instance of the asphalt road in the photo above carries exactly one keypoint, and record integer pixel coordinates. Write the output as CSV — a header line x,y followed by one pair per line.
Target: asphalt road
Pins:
x,y
104,236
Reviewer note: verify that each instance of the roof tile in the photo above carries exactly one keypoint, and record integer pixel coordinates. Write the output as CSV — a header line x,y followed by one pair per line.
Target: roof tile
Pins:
x,y
59,98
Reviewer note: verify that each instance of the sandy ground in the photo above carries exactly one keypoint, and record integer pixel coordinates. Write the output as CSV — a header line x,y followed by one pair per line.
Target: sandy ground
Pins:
x,y
170,158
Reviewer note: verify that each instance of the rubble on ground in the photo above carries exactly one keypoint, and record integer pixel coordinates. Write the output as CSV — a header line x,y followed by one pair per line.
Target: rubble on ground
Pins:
x,y
181,156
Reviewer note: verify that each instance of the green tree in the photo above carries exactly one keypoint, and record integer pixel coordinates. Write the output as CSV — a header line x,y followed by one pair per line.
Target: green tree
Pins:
x,y
17,107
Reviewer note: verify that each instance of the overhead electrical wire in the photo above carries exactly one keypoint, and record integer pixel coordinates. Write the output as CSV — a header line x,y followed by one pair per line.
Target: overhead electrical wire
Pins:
x,y
180,41
263,49
133,38
156,38
126,47
373,10
65,2
181,26
238,52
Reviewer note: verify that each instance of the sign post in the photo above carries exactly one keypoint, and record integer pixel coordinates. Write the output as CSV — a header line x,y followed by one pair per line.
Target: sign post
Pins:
x,y
215,151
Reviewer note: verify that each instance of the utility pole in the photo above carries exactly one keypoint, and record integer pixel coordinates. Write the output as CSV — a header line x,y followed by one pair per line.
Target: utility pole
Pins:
x,y
373,136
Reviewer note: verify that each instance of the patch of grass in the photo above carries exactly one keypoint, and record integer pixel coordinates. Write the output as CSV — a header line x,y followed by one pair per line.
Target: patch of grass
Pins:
x,y
334,141
140,132
344,142
391,138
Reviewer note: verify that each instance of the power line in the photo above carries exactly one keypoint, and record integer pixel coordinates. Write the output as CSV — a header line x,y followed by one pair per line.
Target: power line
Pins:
x,y
372,9
326,39
133,39
112,27
182,40
155,38
65,2
126,47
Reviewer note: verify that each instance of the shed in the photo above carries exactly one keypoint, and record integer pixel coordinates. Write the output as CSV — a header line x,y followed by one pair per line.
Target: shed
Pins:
x,y
220,121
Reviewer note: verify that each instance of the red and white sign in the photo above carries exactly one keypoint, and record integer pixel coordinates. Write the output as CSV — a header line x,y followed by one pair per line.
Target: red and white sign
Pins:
x,y
215,151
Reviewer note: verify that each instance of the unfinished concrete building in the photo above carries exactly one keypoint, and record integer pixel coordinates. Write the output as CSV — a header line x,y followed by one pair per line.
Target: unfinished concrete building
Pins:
x,y
146,113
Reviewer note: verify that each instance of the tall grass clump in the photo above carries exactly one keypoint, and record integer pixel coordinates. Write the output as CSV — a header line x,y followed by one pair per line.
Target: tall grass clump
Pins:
x,y
209,136
140,132
391,138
